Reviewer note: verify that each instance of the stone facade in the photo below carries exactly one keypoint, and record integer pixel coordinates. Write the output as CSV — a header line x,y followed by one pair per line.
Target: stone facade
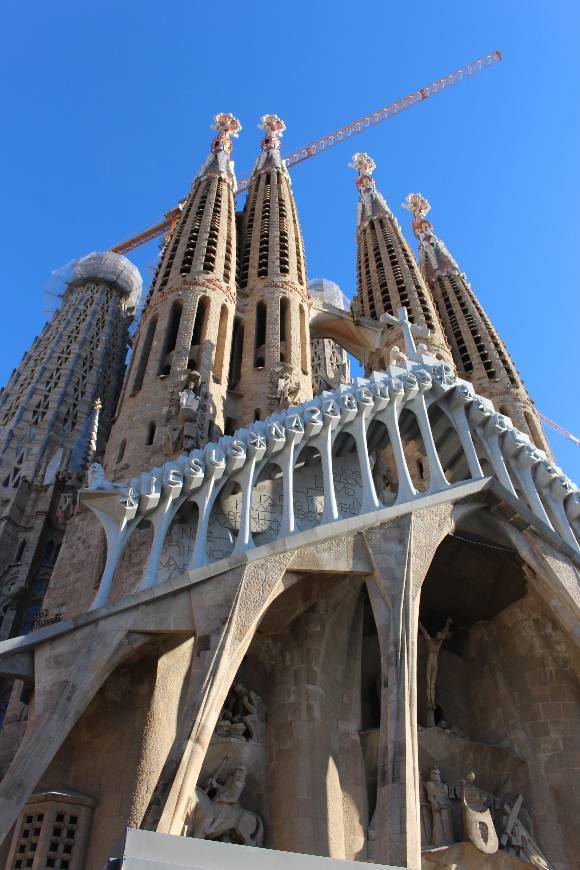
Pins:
x,y
343,625
55,416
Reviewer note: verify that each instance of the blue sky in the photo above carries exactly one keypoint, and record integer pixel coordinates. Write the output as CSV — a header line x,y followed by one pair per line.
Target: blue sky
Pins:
x,y
106,109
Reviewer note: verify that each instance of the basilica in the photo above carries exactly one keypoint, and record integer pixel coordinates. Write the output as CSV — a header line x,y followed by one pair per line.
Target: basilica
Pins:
x,y
249,601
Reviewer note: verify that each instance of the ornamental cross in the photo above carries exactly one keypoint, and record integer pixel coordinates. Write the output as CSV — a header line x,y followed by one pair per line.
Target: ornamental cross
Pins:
x,y
408,329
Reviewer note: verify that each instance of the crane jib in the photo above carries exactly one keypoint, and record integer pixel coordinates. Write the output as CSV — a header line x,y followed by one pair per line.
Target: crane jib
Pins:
x,y
326,142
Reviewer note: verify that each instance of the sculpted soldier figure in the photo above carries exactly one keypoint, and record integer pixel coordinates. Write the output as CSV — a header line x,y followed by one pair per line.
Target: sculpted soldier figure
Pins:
x,y
438,797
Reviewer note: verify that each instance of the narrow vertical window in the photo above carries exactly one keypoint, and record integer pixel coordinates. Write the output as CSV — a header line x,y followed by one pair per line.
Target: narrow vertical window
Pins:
x,y
150,433
121,451
198,334
284,329
260,336
144,358
20,551
221,345
304,349
264,249
236,354
170,338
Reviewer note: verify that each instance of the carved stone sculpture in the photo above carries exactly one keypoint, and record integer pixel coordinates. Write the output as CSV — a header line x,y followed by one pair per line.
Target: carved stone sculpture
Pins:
x,y
478,825
434,645
242,716
517,839
285,385
96,477
218,814
189,400
426,819
440,803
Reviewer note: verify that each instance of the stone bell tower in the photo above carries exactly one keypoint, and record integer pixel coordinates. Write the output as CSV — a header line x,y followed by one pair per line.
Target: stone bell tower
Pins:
x,y
478,352
55,413
174,394
388,277
270,364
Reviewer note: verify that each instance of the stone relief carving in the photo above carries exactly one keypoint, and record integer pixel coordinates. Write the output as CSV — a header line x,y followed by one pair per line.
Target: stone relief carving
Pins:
x,y
190,415
517,838
243,715
218,813
284,386
434,645
483,816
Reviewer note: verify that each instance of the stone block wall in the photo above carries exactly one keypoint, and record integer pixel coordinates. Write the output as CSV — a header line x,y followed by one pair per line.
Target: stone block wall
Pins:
x,y
526,697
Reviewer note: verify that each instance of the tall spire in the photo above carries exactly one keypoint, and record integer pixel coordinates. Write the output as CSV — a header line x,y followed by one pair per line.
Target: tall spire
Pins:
x,y
388,277
478,351
271,362
183,341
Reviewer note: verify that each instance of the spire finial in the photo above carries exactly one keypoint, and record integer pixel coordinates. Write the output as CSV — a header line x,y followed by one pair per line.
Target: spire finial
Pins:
x,y
365,166
228,128
435,259
419,208
274,128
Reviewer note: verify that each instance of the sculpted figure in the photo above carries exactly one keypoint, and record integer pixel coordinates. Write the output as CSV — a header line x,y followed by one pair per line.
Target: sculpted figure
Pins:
x,y
96,477
434,645
218,814
254,715
440,803
243,715
283,387
397,357
426,826
189,401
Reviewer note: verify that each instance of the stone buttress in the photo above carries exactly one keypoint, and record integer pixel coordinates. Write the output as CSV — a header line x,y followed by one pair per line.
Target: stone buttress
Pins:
x,y
388,277
270,365
174,394
478,351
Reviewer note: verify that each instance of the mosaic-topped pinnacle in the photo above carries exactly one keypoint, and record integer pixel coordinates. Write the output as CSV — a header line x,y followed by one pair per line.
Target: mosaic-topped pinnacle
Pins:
x,y
417,204
419,207
363,163
365,166
219,162
274,128
228,128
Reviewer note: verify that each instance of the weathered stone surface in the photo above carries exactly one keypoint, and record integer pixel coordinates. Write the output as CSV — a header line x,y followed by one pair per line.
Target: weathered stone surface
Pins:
x,y
464,856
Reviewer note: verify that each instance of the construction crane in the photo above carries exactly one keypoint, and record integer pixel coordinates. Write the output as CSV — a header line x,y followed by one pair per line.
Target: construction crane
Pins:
x,y
557,428
326,142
